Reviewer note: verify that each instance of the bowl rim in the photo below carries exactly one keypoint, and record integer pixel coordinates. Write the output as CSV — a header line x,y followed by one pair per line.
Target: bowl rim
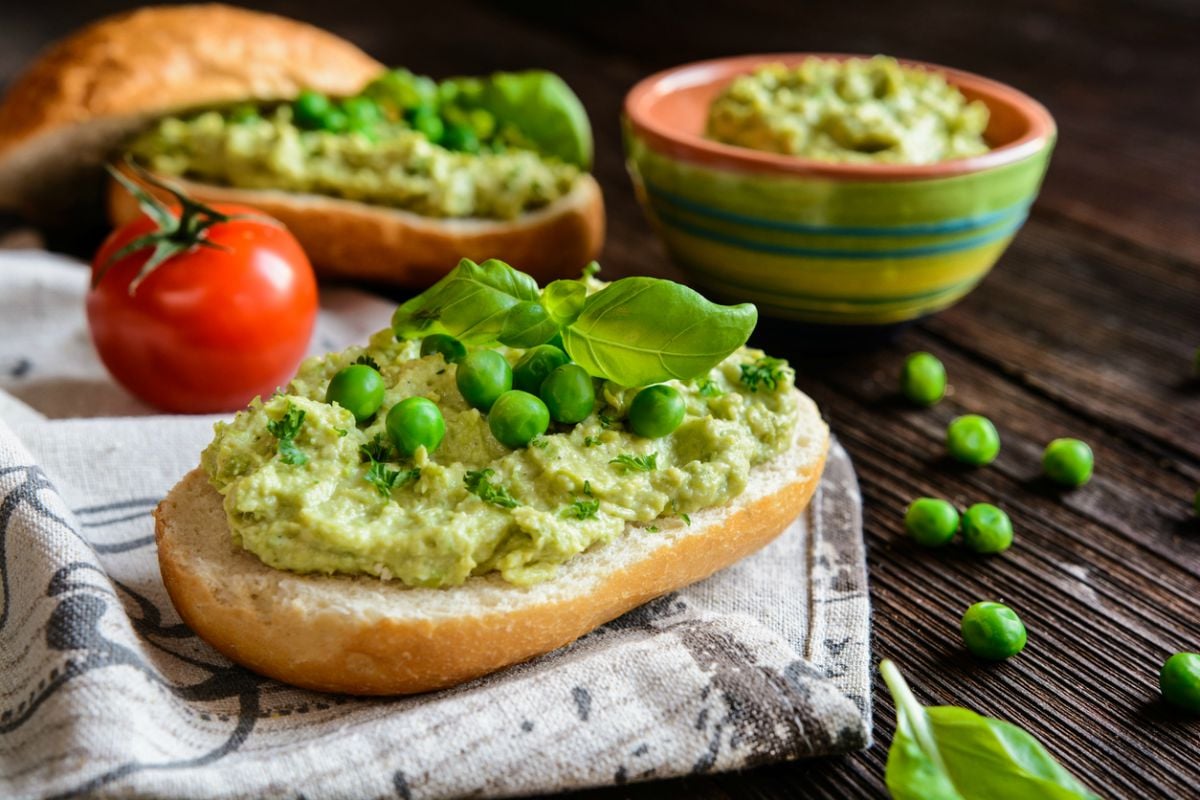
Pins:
x,y
694,147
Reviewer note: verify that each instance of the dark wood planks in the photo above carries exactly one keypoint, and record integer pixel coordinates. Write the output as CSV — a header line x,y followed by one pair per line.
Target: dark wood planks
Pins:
x,y
1086,328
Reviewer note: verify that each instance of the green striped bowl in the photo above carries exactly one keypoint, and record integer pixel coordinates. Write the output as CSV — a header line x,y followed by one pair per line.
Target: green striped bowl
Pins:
x,y
840,244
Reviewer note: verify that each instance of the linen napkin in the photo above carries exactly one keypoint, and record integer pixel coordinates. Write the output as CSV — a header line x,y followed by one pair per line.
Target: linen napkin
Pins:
x,y
104,692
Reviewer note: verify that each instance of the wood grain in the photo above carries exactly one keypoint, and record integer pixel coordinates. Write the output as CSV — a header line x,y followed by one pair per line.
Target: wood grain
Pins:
x,y
1086,328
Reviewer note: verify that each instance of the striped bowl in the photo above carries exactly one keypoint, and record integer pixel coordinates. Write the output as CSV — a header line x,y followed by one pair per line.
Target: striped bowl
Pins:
x,y
832,244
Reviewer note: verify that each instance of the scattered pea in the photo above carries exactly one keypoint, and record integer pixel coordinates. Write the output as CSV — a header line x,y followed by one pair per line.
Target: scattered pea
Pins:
x,y
923,379
1068,461
482,377
993,631
311,110
569,394
931,522
1180,681
357,388
415,422
656,411
973,440
517,418
987,529
535,365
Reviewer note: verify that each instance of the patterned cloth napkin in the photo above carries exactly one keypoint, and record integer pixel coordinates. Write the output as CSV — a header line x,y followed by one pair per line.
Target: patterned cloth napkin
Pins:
x,y
104,692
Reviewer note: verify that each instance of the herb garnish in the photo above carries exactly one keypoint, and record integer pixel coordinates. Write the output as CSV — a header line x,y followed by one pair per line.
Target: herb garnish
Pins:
x,y
591,441
477,483
653,529
766,372
635,331
628,463
607,422
370,362
285,430
384,478
587,488
582,509
686,519
710,388
379,449
540,443
937,753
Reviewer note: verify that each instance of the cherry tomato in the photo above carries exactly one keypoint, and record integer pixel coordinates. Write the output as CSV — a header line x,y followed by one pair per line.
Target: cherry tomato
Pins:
x,y
210,327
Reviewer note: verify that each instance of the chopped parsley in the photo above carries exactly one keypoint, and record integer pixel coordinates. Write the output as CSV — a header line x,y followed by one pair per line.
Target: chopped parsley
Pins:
x,y
370,362
686,519
591,441
709,388
653,529
582,509
285,430
607,422
628,463
766,372
341,432
384,478
587,488
540,442
379,449
477,483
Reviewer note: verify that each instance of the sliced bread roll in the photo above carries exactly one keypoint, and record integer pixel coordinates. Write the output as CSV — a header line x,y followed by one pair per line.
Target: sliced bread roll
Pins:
x,y
362,635
68,112
75,106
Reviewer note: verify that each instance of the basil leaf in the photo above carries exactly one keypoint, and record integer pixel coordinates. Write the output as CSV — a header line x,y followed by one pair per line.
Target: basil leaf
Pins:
x,y
471,303
638,331
564,300
527,325
951,753
543,108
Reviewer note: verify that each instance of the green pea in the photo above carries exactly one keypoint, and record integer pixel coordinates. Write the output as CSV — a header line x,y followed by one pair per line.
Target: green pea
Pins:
x,y
416,422
973,440
656,411
451,349
993,631
426,120
569,394
931,522
461,138
1068,461
517,418
482,377
362,113
987,529
358,389
310,110
535,365
1180,681
336,121
923,379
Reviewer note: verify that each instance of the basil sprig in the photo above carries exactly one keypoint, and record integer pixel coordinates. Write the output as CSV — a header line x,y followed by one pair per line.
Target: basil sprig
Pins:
x,y
951,753
634,332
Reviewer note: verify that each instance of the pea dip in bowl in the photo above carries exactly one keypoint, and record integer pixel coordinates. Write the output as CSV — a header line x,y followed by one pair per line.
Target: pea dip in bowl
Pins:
x,y
834,189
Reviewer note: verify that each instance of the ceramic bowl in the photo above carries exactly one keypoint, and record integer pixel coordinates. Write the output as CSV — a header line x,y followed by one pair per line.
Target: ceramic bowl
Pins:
x,y
841,244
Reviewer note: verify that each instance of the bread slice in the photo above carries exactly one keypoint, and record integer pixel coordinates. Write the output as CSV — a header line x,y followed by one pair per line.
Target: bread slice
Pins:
x,y
82,97
350,239
362,635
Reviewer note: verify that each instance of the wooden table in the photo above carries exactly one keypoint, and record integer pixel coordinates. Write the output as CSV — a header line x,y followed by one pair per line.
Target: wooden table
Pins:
x,y
1086,328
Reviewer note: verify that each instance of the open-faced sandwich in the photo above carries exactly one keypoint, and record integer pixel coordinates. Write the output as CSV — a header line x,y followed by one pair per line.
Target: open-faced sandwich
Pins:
x,y
503,470
380,174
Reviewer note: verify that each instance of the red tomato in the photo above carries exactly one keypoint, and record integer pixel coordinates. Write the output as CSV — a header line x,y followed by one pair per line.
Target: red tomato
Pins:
x,y
211,327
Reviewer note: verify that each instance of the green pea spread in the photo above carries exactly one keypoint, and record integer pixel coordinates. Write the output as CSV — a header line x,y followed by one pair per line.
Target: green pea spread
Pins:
x,y
858,110
491,148
429,529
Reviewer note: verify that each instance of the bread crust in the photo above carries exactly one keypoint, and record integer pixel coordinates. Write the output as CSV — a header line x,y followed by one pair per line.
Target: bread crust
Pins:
x,y
349,239
316,648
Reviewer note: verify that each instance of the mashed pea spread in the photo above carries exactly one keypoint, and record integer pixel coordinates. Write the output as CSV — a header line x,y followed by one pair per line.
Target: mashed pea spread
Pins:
x,y
490,148
474,506
857,110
